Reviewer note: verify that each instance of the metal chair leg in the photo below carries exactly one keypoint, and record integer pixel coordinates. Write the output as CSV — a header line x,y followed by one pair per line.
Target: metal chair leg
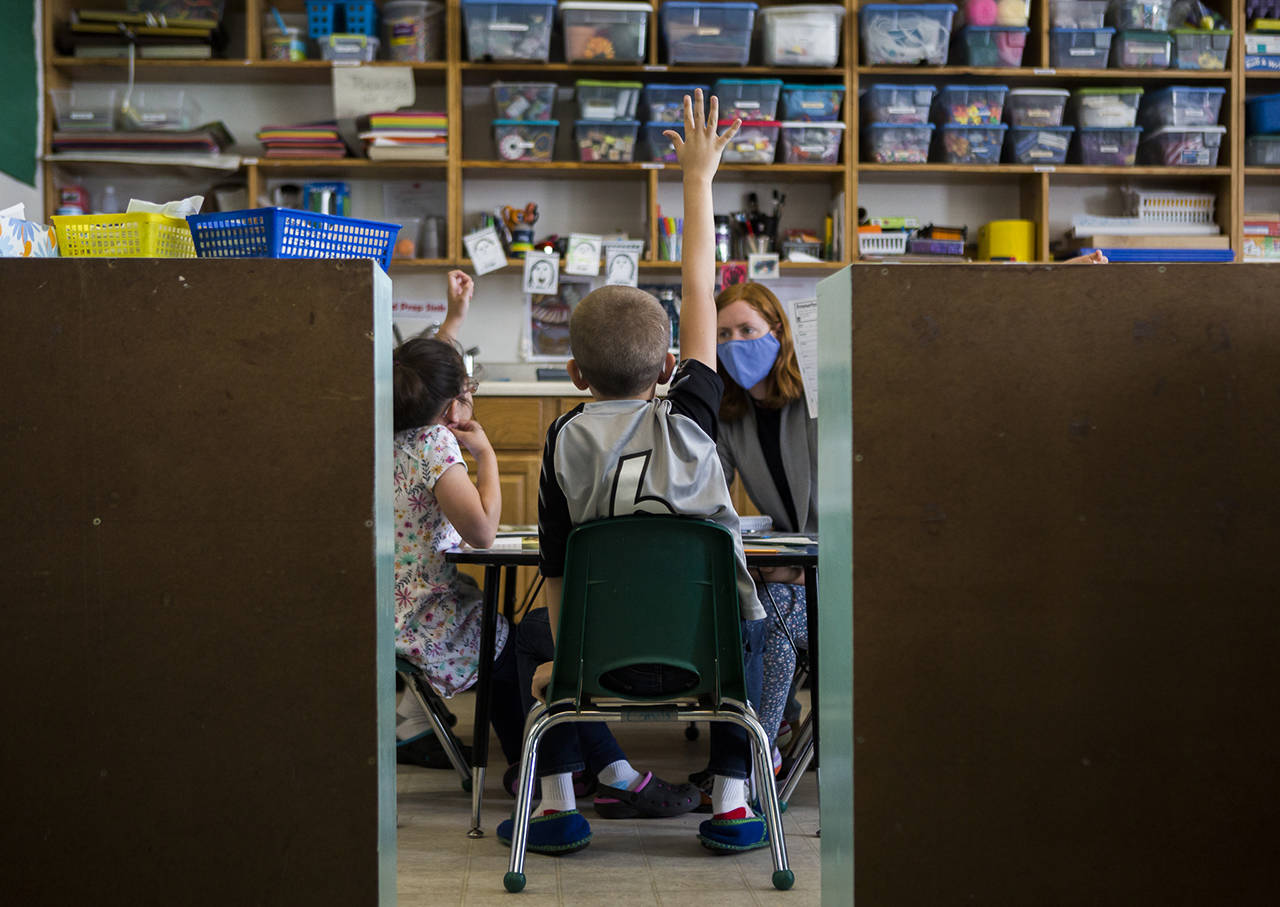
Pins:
x,y
783,877
514,880
414,684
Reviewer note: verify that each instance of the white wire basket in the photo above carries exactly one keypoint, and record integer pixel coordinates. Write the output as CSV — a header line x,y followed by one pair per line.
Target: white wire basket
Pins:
x,y
1169,207
889,243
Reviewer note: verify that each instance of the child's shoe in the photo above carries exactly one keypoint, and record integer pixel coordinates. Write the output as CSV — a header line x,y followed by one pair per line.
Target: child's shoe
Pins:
x,y
653,798
554,834
725,836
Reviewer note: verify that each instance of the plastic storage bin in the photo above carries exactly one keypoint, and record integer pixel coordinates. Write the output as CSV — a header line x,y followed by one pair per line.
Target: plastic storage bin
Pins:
x,y
600,32
708,32
139,235
1078,13
991,46
1106,107
897,103
1262,151
1036,106
970,105
811,143
806,35
1262,115
508,29
1152,15
897,143
959,144
287,233
1181,105
906,33
523,100
85,108
755,143
160,108
349,48
1080,48
412,30
1182,146
665,103
525,140
1038,144
1142,50
353,17
612,141
1195,48
1107,146
815,103
657,147
750,99
607,100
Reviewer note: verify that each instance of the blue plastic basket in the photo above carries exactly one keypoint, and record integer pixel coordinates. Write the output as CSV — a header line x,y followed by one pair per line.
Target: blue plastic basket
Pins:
x,y
359,17
288,233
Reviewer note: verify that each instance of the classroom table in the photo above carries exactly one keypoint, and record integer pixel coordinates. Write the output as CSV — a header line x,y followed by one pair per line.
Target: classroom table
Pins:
x,y
499,561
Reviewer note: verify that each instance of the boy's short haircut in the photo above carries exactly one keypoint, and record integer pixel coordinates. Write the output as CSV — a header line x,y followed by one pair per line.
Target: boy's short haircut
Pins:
x,y
619,337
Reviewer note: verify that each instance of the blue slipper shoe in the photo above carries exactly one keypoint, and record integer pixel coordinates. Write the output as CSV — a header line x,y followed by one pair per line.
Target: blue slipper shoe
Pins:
x,y
554,835
734,835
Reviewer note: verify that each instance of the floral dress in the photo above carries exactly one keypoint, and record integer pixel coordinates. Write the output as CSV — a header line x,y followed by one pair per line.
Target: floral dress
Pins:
x,y
438,610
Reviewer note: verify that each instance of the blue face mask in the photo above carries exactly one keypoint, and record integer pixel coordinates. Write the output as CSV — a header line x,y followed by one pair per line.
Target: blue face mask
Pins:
x,y
749,361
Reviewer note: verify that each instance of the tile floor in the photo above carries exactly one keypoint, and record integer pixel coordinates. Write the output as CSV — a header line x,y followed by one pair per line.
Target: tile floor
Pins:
x,y
629,863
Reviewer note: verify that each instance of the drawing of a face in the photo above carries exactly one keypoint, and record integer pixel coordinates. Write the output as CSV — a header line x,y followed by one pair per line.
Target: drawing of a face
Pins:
x,y
621,268
541,275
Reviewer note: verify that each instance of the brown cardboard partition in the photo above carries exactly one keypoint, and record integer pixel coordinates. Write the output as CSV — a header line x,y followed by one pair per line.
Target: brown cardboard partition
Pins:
x,y
193,650
1066,575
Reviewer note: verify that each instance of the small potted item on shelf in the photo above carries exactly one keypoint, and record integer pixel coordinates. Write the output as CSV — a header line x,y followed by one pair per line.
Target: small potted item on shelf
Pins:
x,y
1182,146
707,32
750,99
805,35
525,140
990,46
598,31
1109,107
657,146
1036,106
959,144
599,100
665,103
1038,144
897,34
812,103
606,141
811,143
1080,48
508,29
1182,105
755,143
1133,49
1107,146
897,143
523,100
970,105
412,30
348,48
1078,13
906,104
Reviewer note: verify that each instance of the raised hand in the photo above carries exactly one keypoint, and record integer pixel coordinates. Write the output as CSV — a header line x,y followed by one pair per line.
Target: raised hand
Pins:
x,y
700,148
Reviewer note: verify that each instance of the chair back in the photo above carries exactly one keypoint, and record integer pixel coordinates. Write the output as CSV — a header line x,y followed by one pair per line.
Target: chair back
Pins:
x,y
649,590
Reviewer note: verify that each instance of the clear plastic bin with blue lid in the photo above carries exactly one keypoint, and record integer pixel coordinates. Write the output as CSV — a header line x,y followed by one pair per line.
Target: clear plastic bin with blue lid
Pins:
x,y
657,146
1109,106
750,99
1151,15
801,35
1078,13
1201,48
600,100
1080,48
968,144
1036,106
345,48
508,29
906,33
755,143
708,32
811,143
606,141
897,143
664,103
1181,105
885,103
969,105
991,45
1038,144
523,100
1182,146
1134,49
1262,115
1107,146
819,103
598,31
1262,151
525,140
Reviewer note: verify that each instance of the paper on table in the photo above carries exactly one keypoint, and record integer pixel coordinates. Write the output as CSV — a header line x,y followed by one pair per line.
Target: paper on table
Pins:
x,y
803,314
358,90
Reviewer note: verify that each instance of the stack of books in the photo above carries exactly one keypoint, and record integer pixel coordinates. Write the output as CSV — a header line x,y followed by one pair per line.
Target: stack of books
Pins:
x,y
405,135
308,140
211,138
159,30
1262,237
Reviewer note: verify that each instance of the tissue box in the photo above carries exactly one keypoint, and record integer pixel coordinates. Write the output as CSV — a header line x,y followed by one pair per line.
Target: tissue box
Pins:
x,y
26,239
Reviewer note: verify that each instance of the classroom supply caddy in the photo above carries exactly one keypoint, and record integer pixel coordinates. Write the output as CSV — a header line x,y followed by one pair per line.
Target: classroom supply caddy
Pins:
x,y
891,242
1165,207
289,233
139,235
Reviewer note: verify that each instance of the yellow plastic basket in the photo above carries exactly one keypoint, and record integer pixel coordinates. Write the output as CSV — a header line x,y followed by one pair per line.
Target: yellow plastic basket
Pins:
x,y
141,235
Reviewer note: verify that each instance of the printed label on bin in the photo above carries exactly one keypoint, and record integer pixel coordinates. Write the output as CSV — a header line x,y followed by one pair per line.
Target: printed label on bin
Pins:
x,y
1109,149
747,105
898,111
818,105
81,115
1147,48
709,31
508,26
1081,51
1054,140
1196,158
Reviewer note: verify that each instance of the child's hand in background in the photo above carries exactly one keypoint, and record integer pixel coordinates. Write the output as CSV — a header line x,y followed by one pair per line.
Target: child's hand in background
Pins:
x,y
460,289
471,436
1093,258
700,149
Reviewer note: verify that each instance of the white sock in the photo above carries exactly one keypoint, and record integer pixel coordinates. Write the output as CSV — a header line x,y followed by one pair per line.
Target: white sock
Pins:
x,y
557,794
619,774
411,718
727,794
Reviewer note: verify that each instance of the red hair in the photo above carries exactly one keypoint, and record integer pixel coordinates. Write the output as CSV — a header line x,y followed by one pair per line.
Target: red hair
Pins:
x,y
782,384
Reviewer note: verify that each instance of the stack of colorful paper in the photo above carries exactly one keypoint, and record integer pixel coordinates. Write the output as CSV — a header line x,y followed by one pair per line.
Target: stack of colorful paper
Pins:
x,y
405,135
318,140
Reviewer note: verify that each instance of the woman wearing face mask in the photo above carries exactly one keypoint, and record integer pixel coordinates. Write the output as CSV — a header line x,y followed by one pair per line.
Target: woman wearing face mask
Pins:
x,y
767,437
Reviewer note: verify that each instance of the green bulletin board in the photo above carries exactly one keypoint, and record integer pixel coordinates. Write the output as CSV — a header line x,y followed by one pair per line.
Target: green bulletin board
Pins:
x,y
18,97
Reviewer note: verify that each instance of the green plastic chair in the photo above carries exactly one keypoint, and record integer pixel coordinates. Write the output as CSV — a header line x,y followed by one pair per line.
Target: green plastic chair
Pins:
x,y
648,590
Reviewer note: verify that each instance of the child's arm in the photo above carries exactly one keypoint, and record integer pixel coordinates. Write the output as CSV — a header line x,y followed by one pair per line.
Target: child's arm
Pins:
x,y
460,288
699,154
473,510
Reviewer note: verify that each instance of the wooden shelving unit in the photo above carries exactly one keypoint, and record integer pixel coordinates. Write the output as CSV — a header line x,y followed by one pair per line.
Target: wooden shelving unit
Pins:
x,y
1227,180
